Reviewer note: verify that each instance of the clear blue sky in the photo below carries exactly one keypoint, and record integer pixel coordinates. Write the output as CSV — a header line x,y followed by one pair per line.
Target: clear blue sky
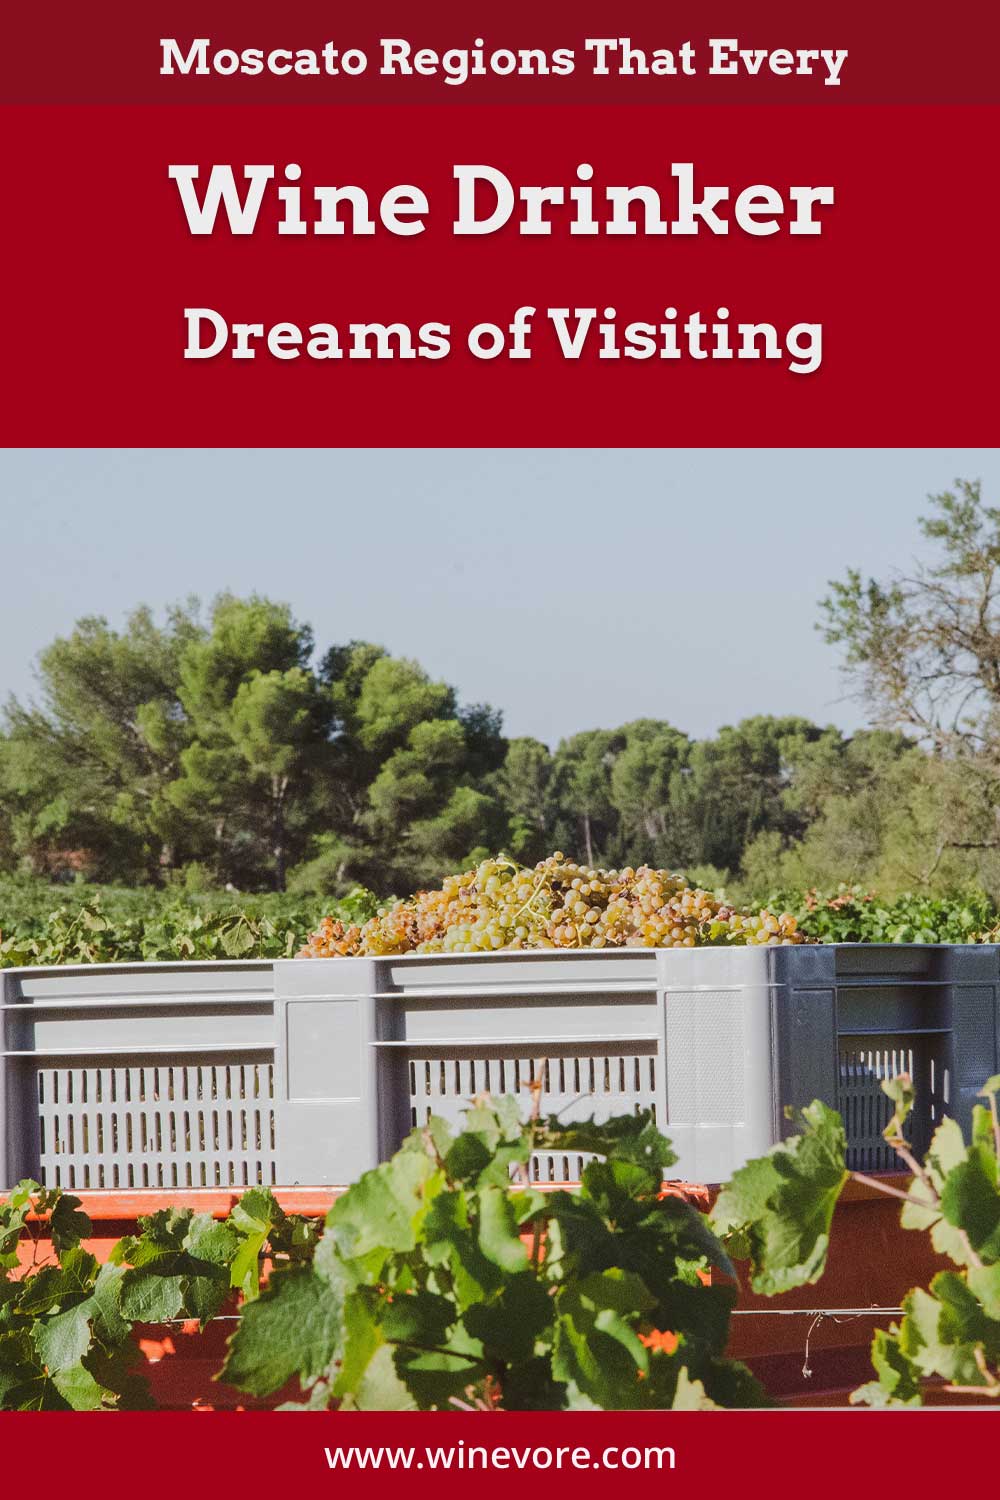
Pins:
x,y
572,588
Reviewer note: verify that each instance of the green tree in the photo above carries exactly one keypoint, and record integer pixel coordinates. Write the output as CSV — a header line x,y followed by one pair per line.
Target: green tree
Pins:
x,y
259,725
408,794
586,818
644,789
524,787
85,770
737,787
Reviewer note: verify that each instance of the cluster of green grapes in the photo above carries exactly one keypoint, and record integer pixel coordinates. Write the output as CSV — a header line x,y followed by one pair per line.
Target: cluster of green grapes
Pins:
x,y
502,905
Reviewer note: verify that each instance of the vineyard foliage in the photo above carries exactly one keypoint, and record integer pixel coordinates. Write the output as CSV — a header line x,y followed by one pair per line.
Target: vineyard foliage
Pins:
x,y
66,1324
853,914
41,924
776,1214
435,1282
439,1282
81,923
444,1278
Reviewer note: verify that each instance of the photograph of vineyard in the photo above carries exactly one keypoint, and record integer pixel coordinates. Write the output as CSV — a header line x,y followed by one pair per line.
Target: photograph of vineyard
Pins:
x,y
339,704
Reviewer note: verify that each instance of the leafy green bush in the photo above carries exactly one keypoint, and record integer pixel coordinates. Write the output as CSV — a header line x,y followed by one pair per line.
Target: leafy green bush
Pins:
x,y
851,914
776,1214
42,924
66,1324
438,1282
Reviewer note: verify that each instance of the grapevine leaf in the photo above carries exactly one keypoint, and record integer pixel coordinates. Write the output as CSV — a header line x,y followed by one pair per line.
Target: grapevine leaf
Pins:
x,y
433,1376
362,1338
946,1151
244,1270
690,1395
632,1138
510,1322
256,1212
901,1091
595,1350
380,1388
498,1231
78,1388
55,1286
782,1204
969,1200
942,1328
62,1341
448,1240
702,1311
614,1185
380,1210
294,1328
420,1318
984,1283
18,1365
109,1325
68,1225
113,1372
898,1382
147,1297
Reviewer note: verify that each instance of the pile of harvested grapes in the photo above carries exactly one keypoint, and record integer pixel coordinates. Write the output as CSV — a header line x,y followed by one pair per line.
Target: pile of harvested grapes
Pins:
x,y
503,905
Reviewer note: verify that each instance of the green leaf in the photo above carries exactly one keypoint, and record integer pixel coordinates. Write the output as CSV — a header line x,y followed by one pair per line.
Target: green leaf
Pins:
x,y
970,1201
362,1338
380,1211
633,1138
690,1395
782,1204
433,1377
509,1323
380,1388
418,1318
256,1212
898,1382
78,1388
58,1286
144,1296
901,1091
596,1351
68,1225
294,1328
943,1327
110,1327
244,1272
984,1284
448,1241
63,1340
946,1151
498,1231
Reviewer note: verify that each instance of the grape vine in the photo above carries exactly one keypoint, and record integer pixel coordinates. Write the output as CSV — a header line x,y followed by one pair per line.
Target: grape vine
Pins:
x,y
445,1278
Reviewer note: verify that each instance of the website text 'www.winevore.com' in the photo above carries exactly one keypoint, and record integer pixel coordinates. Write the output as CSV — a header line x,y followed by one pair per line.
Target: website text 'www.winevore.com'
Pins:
x,y
469,1456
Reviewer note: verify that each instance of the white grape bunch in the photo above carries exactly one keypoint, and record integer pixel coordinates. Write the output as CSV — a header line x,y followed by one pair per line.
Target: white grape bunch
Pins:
x,y
502,905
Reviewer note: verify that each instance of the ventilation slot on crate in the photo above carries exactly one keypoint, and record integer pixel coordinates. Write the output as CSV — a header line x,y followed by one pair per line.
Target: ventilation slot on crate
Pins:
x,y
866,1110
547,1166
159,1125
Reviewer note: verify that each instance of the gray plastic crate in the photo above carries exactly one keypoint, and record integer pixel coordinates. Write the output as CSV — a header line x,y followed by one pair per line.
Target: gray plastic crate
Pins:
x,y
310,1071
136,1077
849,1015
606,1033
173,1076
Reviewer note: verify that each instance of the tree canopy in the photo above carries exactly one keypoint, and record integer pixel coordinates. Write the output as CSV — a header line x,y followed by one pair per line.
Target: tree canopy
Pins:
x,y
219,747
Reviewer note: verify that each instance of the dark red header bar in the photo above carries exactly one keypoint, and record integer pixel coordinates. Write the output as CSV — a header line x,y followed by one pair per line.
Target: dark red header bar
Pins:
x,y
782,52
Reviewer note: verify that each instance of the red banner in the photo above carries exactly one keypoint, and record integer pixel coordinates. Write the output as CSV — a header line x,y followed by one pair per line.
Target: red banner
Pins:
x,y
679,1454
